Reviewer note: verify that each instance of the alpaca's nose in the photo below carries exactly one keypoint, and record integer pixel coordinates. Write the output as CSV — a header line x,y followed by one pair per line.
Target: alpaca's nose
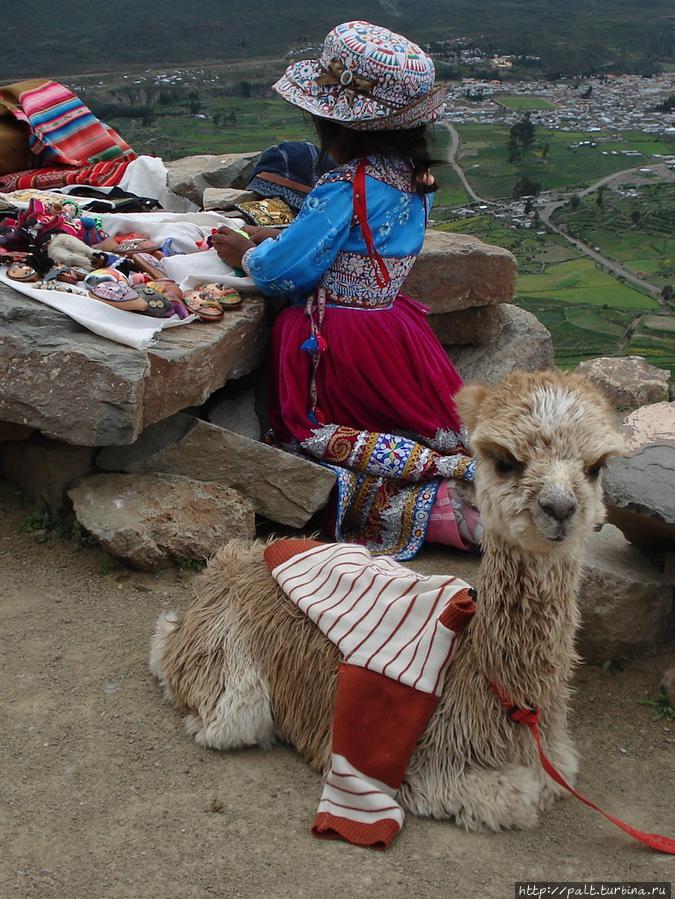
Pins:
x,y
558,503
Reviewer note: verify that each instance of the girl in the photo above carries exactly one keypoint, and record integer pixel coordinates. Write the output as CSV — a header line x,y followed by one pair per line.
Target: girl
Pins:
x,y
358,379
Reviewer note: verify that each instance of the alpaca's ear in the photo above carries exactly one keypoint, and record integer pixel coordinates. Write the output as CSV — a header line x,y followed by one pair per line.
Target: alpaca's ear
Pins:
x,y
468,401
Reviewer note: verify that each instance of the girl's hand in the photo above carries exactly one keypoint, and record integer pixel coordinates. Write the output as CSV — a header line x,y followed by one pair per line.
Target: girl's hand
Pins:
x,y
258,234
230,246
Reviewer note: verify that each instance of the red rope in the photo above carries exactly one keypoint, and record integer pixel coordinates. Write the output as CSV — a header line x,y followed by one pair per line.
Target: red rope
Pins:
x,y
530,717
360,211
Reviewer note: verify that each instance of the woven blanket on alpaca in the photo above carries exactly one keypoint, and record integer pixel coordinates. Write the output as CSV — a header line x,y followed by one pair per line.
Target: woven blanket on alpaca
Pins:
x,y
396,630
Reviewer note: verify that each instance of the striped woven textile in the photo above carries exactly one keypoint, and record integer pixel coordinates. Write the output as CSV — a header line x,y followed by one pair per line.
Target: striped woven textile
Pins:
x,y
396,630
101,174
63,131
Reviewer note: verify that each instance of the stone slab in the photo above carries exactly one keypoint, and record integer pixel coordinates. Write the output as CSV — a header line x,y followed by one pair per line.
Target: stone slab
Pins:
x,y
649,424
226,197
640,495
190,176
626,600
524,344
75,386
152,520
457,271
627,381
282,487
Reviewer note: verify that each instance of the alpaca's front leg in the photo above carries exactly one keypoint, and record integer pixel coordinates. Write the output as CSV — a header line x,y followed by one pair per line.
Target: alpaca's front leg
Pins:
x,y
478,798
561,751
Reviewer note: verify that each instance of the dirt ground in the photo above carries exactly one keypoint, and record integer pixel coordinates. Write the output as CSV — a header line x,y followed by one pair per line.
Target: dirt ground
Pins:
x,y
103,796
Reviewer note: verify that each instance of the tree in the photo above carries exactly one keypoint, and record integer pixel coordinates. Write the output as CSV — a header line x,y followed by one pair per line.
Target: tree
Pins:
x,y
601,195
668,293
575,201
544,151
524,187
521,137
635,217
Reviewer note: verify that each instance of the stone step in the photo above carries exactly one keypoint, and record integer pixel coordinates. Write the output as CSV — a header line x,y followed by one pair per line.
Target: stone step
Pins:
x,y
285,488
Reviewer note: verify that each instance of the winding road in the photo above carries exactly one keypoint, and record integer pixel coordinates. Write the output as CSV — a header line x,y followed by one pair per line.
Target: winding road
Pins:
x,y
547,208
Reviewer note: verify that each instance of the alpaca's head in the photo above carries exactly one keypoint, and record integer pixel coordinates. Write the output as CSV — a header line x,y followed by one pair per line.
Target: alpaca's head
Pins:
x,y
541,441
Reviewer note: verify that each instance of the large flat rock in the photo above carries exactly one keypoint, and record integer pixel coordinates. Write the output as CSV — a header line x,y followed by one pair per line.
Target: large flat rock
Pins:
x,y
152,520
640,495
83,389
457,271
522,344
283,487
627,381
190,176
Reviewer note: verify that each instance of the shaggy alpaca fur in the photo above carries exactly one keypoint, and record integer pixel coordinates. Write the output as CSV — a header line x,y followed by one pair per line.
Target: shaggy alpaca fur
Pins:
x,y
245,665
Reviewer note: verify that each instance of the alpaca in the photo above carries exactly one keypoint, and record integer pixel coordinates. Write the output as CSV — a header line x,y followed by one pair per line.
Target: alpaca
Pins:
x,y
245,666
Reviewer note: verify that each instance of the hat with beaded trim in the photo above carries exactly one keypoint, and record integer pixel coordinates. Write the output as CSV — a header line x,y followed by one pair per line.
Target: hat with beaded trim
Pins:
x,y
367,78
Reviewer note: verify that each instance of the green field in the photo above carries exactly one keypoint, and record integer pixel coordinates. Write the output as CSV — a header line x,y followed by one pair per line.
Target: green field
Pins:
x,y
638,231
587,311
580,281
243,124
524,103
484,157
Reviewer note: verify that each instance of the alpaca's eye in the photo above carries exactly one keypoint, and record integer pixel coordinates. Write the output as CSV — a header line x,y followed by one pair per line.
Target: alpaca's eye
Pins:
x,y
507,465
593,471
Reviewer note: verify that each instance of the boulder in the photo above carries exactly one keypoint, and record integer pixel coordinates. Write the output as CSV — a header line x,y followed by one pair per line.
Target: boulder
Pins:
x,y
626,600
650,424
10,431
627,381
640,495
45,468
236,412
80,388
524,344
152,520
285,488
456,271
226,197
469,327
190,176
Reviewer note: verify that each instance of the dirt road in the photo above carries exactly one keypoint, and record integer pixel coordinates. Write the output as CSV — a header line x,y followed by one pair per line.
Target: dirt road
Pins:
x,y
103,796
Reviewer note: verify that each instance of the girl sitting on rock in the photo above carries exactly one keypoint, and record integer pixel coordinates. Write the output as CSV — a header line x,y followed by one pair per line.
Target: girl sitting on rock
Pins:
x,y
358,380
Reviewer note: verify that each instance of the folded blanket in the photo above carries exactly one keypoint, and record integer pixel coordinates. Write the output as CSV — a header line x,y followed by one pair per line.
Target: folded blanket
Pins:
x,y
396,630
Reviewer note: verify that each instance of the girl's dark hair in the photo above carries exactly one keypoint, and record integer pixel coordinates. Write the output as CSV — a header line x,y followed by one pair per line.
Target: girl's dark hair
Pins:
x,y
410,144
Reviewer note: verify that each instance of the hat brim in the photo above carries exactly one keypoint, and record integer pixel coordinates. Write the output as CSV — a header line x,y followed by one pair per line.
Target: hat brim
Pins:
x,y
299,85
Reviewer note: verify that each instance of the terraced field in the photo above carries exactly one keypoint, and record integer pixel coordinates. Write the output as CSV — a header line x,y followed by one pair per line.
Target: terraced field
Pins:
x,y
638,231
484,158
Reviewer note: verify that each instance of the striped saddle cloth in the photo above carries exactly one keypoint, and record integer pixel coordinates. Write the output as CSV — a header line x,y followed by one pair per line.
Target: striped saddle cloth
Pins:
x,y
396,630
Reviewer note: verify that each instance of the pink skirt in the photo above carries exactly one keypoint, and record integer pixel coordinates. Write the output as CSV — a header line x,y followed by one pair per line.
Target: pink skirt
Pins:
x,y
383,370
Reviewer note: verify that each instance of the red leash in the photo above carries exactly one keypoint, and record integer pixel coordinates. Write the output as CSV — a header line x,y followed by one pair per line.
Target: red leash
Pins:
x,y
530,717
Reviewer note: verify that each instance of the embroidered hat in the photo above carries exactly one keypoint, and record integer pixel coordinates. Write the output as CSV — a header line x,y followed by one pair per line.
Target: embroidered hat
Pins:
x,y
367,78
289,171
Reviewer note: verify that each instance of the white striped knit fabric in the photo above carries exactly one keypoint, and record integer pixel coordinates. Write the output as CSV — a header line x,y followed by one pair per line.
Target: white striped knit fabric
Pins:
x,y
384,619
350,794
380,615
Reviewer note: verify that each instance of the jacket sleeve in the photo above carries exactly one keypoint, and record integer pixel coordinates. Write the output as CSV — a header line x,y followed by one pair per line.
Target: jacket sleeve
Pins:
x,y
294,262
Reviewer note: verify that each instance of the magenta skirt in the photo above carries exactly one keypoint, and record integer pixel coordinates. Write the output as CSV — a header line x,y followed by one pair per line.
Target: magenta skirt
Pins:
x,y
383,370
